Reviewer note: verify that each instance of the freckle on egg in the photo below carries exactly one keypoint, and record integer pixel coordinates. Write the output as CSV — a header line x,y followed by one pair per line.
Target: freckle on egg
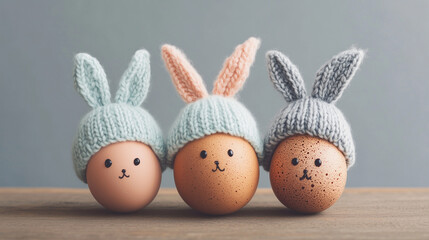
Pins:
x,y
220,185
294,195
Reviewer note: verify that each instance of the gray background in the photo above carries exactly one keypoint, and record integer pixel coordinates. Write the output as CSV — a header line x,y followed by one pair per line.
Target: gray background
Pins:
x,y
386,103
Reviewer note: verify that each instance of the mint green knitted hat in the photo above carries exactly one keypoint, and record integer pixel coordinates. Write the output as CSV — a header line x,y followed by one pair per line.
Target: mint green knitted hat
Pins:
x,y
123,120
209,114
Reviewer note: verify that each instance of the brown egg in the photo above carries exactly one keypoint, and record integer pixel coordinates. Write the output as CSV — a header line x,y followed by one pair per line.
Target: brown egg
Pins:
x,y
124,176
308,174
217,174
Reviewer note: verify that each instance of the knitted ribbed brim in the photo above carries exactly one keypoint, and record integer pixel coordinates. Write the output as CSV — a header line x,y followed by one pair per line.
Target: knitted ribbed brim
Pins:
x,y
122,120
115,123
313,117
209,115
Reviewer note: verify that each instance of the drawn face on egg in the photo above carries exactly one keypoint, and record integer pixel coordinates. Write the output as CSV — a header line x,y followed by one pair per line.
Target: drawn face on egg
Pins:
x,y
217,174
124,176
308,174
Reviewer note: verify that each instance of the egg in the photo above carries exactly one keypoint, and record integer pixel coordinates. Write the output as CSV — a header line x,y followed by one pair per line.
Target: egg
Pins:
x,y
308,174
217,174
124,176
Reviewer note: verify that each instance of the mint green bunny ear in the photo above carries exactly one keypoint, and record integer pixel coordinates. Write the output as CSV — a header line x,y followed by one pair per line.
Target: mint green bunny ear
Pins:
x,y
134,84
90,80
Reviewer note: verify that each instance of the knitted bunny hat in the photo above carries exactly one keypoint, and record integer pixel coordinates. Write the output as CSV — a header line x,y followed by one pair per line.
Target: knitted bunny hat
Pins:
x,y
208,114
315,115
123,120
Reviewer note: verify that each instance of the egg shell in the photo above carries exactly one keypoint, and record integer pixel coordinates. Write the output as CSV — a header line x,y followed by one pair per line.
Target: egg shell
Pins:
x,y
293,187
217,190
111,187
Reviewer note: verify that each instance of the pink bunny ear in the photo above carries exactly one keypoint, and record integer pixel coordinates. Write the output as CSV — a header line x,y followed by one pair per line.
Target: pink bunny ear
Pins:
x,y
188,82
236,68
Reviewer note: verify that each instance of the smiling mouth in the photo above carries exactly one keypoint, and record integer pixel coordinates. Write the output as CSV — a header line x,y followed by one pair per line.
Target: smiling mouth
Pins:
x,y
217,167
305,176
123,174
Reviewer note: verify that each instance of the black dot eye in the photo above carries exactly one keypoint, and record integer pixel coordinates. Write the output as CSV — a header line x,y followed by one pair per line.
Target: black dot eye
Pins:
x,y
230,153
203,154
108,163
318,162
136,161
295,161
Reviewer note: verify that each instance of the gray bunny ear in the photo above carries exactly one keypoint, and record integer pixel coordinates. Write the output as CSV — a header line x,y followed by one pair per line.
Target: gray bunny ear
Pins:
x,y
285,76
90,80
335,75
134,85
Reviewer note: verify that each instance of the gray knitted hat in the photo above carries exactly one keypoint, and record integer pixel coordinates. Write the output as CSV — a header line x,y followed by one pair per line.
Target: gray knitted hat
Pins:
x,y
315,115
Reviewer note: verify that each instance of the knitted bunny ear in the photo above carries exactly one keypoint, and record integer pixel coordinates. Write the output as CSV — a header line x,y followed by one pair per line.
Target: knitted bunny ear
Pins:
x,y
134,85
188,82
285,76
90,80
236,68
335,75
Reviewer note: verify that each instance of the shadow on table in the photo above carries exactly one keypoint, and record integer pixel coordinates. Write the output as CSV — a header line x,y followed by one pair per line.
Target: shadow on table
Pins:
x,y
158,211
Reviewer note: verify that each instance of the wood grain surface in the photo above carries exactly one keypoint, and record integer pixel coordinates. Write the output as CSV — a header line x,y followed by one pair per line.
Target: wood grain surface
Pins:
x,y
370,213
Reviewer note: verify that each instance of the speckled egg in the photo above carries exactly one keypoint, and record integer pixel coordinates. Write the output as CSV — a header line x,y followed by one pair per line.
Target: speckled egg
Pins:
x,y
124,176
308,174
217,174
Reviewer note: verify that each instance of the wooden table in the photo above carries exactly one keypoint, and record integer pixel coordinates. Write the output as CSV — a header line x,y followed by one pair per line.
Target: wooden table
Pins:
x,y
361,213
